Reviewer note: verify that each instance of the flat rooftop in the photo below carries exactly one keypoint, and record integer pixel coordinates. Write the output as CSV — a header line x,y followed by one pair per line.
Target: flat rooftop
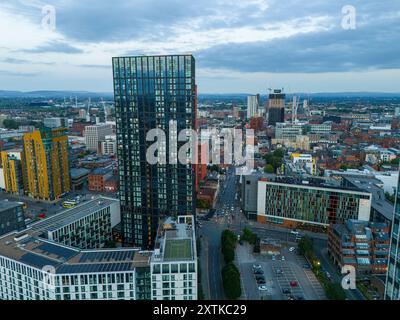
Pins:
x,y
379,202
6,205
68,216
29,247
176,241
178,249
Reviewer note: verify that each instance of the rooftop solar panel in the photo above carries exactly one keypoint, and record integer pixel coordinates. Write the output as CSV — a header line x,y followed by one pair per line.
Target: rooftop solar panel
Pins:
x,y
37,261
60,251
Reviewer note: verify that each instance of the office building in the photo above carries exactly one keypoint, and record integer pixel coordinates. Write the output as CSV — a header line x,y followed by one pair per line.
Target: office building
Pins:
x,y
98,178
174,261
276,107
292,202
392,288
289,131
13,171
361,244
95,134
381,208
11,216
46,163
54,123
149,92
253,104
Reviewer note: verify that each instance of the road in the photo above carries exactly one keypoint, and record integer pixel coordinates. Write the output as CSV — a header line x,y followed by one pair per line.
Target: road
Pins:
x,y
211,235
225,217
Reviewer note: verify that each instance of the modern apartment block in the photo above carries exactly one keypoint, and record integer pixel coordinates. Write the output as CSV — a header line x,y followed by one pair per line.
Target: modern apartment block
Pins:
x,y
392,288
276,107
95,134
87,226
149,92
13,171
37,263
46,163
361,244
253,103
293,202
109,146
174,262
11,216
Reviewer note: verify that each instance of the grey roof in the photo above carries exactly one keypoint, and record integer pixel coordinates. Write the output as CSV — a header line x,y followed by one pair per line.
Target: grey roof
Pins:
x,y
78,172
379,202
29,247
6,205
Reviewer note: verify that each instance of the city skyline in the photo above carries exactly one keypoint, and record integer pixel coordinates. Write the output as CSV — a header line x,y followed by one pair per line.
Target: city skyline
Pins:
x,y
242,47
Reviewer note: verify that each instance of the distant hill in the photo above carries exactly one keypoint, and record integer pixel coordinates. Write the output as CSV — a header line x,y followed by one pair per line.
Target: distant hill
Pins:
x,y
47,94
54,94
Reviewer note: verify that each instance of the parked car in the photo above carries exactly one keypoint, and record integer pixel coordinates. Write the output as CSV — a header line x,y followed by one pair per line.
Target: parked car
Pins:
x,y
283,258
294,232
256,266
259,271
294,284
279,271
286,291
291,249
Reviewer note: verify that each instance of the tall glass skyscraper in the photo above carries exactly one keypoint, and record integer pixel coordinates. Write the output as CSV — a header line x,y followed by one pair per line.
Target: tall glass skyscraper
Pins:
x,y
149,92
393,274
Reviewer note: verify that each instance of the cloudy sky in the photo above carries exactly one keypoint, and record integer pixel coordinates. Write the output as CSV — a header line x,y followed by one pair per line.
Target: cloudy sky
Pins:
x,y
239,45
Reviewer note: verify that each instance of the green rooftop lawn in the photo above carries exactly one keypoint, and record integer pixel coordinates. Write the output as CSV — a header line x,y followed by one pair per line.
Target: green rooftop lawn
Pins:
x,y
178,249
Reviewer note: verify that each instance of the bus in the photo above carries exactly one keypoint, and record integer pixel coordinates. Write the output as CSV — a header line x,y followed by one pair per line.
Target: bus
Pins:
x,y
69,204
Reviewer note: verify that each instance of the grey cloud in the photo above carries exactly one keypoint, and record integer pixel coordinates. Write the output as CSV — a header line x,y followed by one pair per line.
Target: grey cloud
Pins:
x,y
56,47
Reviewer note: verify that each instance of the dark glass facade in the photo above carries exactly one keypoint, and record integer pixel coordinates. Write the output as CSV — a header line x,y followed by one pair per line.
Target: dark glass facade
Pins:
x,y
276,107
393,275
149,92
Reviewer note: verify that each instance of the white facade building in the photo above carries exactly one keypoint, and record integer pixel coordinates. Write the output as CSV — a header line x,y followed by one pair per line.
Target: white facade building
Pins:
x,y
36,263
253,103
174,261
109,146
95,134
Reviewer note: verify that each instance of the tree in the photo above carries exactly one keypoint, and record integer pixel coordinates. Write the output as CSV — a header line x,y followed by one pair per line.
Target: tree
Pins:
x,y
395,161
228,245
249,236
10,124
334,291
269,168
344,167
203,204
231,281
279,153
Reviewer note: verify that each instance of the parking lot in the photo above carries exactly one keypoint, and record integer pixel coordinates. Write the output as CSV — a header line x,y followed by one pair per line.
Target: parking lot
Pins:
x,y
287,279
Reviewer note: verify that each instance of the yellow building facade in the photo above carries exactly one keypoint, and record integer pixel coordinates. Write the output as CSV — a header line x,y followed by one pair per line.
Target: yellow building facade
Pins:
x,y
46,162
13,171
